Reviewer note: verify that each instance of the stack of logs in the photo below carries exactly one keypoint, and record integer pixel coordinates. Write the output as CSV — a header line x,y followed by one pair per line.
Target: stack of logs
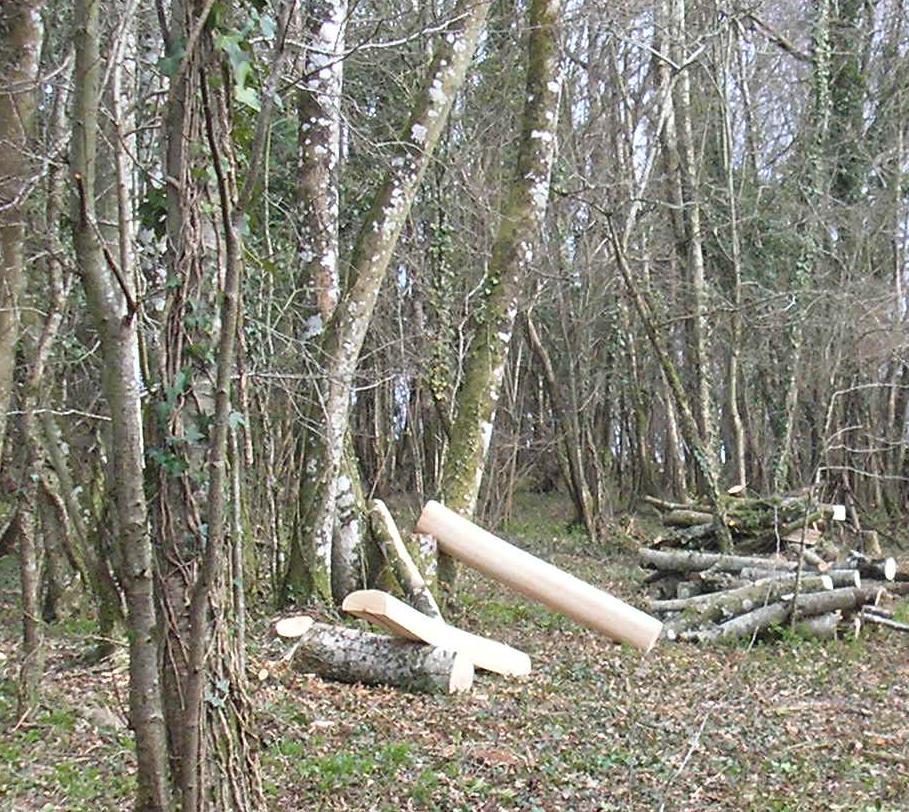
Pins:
x,y
786,571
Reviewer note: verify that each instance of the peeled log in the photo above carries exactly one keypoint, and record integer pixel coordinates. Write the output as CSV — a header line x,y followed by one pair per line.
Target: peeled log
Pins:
x,y
353,656
537,579
404,621
711,608
692,561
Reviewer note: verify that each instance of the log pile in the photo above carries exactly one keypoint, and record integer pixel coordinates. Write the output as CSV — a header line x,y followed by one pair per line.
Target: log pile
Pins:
x,y
757,525
707,596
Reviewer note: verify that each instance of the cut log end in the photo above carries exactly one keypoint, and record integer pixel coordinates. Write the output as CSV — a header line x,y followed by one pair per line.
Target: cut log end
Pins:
x,y
460,680
293,627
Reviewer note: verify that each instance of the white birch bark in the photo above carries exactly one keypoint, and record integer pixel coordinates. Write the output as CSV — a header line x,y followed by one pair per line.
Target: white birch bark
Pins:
x,y
350,655
344,335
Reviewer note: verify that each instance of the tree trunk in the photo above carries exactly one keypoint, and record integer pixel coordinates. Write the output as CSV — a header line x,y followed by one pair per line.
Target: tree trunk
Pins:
x,y
116,324
21,34
399,559
343,338
570,432
512,254
349,655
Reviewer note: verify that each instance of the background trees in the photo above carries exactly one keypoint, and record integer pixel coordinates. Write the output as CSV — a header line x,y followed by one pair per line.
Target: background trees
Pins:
x,y
300,232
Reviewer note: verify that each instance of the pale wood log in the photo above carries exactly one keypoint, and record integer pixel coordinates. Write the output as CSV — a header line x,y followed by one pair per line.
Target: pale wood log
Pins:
x,y
811,558
404,621
293,627
408,575
353,656
691,561
537,579
712,608
807,604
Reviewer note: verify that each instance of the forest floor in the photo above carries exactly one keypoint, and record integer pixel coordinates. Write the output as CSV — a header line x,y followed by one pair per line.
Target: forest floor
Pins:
x,y
790,725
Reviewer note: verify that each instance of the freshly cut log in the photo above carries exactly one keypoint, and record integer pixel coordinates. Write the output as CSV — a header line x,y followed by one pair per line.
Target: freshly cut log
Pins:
x,y
293,627
408,575
711,608
692,561
353,656
774,614
404,621
881,569
537,579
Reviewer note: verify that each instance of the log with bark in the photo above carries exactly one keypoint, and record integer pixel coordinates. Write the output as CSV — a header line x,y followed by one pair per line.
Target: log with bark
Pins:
x,y
755,524
349,655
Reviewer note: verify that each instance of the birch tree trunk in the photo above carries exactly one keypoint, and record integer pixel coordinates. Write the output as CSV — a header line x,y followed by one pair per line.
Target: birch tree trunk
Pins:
x,y
110,299
512,254
343,338
21,34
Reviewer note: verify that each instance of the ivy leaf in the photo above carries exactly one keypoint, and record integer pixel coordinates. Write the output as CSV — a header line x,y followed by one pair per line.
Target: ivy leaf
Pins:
x,y
235,419
247,96
267,26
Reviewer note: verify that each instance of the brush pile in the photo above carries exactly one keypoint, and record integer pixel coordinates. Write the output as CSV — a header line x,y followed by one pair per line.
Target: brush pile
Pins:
x,y
787,564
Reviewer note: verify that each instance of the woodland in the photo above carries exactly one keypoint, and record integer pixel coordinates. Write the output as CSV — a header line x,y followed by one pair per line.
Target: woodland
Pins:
x,y
622,282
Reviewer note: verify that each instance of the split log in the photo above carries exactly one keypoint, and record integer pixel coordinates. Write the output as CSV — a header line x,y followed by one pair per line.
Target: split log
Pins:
x,y
537,579
711,608
775,614
692,561
408,575
352,656
404,621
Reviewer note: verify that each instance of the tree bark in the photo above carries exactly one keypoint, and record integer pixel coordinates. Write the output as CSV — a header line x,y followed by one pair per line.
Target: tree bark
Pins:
x,y
116,325
690,561
718,605
399,559
512,254
776,614
343,338
350,655
20,54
